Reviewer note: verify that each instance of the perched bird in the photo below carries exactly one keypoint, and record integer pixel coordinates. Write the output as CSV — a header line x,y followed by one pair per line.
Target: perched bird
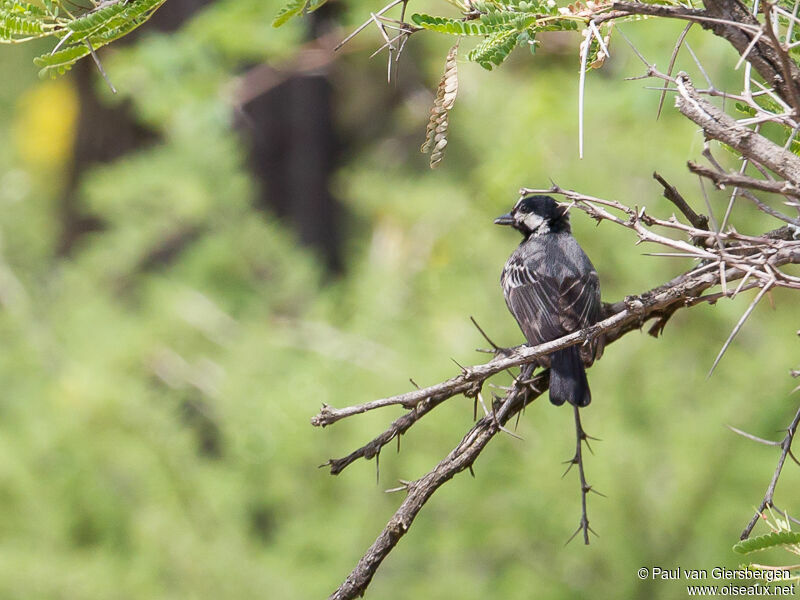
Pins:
x,y
552,289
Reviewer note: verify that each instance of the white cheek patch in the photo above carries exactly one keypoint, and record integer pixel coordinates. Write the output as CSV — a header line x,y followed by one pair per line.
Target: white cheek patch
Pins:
x,y
534,222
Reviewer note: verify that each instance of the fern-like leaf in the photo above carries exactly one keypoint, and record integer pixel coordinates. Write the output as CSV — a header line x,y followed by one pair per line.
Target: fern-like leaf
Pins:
x,y
96,19
495,49
450,26
292,9
60,62
508,19
13,26
770,540
21,20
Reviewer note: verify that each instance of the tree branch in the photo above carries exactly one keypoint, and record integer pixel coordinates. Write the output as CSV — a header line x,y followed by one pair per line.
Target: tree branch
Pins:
x,y
419,491
767,501
738,180
626,315
671,193
721,127
764,57
732,21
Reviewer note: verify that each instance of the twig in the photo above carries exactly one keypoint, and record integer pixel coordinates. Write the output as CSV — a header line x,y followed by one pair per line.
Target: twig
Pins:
x,y
672,194
419,491
672,59
719,126
581,438
366,23
738,326
487,338
767,501
786,68
743,181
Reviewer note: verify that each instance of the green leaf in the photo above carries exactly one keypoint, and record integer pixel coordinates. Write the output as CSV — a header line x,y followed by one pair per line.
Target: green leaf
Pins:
x,y
60,62
294,8
508,19
12,26
96,19
449,26
23,8
770,540
745,109
494,49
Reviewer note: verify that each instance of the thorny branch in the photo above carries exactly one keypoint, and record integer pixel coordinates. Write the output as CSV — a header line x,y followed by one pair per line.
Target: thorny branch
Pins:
x,y
723,256
581,438
786,450
776,249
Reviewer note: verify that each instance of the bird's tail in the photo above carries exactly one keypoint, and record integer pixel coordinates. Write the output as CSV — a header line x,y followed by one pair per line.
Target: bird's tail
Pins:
x,y
568,381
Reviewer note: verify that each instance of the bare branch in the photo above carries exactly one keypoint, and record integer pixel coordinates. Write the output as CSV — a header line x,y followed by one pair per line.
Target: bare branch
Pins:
x,y
785,62
672,194
763,56
625,316
719,126
419,491
672,59
767,501
581,438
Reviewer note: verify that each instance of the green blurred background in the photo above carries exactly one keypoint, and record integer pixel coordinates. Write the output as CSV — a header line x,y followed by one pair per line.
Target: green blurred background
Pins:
x,y
186,277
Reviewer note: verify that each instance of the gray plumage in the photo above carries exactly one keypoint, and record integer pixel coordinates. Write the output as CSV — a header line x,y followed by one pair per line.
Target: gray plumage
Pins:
x,y
552,289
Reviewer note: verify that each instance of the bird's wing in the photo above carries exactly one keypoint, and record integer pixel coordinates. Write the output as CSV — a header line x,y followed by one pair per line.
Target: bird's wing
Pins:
x,y
578,300
533,299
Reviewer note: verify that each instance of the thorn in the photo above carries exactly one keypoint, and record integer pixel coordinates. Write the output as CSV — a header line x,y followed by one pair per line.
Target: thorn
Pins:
x,y
752,437
508,431
459,365
486,337
100,68
671,65
591,489
405,485
572,462
738,326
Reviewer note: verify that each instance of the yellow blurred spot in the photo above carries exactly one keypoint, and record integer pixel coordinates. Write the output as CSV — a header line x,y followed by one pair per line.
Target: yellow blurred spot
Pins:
x,y
44,124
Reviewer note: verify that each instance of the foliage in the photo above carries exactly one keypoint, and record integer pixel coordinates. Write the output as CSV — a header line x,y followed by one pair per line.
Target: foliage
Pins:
x,y
781,536
768,540
78,31
154,423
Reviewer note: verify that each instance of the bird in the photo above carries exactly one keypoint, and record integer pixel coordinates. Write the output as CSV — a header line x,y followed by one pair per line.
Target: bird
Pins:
x,y
552,289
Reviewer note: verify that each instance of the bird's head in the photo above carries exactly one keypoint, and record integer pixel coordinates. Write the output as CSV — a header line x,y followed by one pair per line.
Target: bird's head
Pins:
x,y
536,215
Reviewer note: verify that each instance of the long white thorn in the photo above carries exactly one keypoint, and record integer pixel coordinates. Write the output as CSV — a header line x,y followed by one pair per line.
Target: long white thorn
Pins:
x,y
736,329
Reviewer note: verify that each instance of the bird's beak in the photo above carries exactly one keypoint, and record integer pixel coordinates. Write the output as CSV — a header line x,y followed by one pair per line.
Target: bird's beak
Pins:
x,y
505,219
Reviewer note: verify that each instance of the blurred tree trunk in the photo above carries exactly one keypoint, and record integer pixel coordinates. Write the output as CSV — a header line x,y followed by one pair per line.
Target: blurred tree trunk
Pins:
x,y
292,147
105,133
292,154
